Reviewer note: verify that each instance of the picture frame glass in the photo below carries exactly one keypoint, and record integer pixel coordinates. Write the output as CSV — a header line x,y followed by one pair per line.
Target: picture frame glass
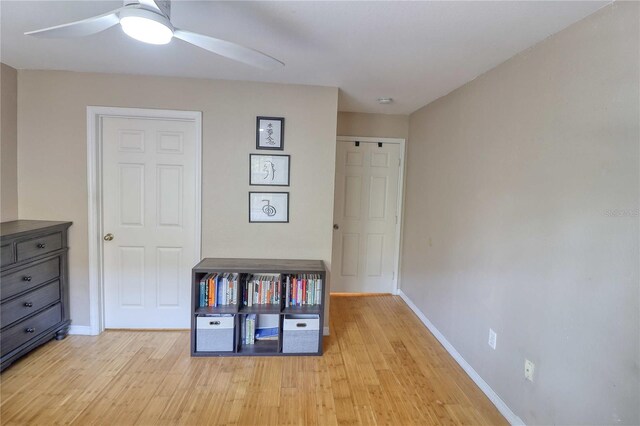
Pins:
x,y
269,170
270,133
269,207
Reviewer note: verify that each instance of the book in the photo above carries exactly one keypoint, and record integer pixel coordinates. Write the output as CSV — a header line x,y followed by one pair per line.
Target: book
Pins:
x,y
250,333
212,299
243,331
201,295
267,334
219,293
287,300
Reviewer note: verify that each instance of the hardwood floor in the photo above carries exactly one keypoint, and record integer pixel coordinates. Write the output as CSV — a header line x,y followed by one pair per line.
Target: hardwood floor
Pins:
x,y
380,366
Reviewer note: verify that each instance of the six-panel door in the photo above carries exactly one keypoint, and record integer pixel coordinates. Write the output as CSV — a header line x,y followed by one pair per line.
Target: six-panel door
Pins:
x,y
149,209
365,215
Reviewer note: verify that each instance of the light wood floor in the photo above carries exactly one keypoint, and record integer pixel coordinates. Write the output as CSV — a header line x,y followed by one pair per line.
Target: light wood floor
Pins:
x,y
381,366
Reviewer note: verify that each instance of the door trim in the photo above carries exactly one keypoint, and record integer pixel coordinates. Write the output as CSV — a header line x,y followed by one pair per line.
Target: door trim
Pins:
x,y
95,114
398,243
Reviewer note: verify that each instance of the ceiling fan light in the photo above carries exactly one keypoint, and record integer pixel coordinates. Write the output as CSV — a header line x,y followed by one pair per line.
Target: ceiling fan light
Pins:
x,y
146,27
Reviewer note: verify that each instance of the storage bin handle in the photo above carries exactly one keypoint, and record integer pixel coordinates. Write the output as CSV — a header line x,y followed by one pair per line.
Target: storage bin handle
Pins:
x,y
301,324
214,322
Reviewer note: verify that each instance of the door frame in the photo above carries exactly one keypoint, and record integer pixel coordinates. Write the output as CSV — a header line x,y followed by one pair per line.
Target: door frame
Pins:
x,y
95,114
400,202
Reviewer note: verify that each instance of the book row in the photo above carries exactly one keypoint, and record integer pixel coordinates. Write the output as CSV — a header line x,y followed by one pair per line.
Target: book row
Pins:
x,y
260,289
303,290
219,289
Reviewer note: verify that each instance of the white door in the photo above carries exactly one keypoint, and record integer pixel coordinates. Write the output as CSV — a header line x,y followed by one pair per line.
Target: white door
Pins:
x,y
365,217
149,221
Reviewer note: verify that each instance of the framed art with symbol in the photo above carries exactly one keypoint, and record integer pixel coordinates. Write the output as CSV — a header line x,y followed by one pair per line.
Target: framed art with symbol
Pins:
x,y
270,133
272,170
269,207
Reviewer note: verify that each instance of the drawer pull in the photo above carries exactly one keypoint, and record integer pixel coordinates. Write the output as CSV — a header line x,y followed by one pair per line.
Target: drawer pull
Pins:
x,y
301,324
41,245
214,322
26,278
30,330
28,304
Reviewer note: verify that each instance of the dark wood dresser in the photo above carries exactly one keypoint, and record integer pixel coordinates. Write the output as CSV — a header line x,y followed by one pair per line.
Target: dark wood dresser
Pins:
x,y
34,288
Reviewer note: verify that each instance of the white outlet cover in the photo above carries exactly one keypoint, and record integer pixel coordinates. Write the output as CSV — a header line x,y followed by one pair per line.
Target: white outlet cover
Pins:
x,y
529,368
493,337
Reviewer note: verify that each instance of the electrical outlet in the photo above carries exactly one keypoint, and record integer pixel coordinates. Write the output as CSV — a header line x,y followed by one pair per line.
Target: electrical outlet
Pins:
x,y
492,338
529,368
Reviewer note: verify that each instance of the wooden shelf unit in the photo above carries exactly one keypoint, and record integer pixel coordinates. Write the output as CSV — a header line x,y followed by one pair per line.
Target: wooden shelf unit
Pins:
x,y
239,311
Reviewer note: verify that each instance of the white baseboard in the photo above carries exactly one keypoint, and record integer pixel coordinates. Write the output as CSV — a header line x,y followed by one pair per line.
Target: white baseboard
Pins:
x,y
484,386
325,331
83,330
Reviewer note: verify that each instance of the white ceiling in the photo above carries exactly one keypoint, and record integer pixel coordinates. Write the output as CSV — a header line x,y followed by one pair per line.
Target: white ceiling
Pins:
x,y
414,52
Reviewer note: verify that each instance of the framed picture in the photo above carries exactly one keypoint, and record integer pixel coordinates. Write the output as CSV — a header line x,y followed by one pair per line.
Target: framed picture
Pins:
x,y
269,207
270,133
269,170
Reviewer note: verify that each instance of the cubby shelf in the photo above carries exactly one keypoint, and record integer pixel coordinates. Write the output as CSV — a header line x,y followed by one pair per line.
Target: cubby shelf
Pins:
x,y
302,310
261,309
217,330
219,310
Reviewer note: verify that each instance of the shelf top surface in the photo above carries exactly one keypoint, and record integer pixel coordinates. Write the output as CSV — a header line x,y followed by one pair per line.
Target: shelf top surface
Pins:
x,y
23,226
260,265
261,309
216,310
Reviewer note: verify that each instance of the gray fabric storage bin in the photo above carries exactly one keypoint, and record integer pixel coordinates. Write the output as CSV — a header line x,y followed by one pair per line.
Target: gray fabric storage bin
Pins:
x,y
300,333
214,333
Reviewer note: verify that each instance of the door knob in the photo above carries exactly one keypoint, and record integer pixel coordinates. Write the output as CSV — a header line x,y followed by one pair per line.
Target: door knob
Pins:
x,y
108,237
335,226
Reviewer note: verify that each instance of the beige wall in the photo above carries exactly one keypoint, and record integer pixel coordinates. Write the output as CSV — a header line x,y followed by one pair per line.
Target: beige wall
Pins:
x,y
8,145
514,184
373,125
53,157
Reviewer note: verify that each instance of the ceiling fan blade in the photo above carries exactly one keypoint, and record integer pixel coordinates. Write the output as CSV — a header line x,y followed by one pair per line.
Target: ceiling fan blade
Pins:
x,y
151,4
229,50
80,28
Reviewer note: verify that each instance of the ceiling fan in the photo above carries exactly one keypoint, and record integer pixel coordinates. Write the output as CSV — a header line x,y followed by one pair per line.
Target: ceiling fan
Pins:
x,y
149,21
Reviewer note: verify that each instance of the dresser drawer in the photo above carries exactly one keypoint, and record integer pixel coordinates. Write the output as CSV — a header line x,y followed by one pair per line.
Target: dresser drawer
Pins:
x,y
29,303
29,328
6,255
38,246
29,277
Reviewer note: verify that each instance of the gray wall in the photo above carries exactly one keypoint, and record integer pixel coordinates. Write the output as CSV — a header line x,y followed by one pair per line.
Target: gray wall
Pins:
x,y
521,214
52,159
8,143
373,125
